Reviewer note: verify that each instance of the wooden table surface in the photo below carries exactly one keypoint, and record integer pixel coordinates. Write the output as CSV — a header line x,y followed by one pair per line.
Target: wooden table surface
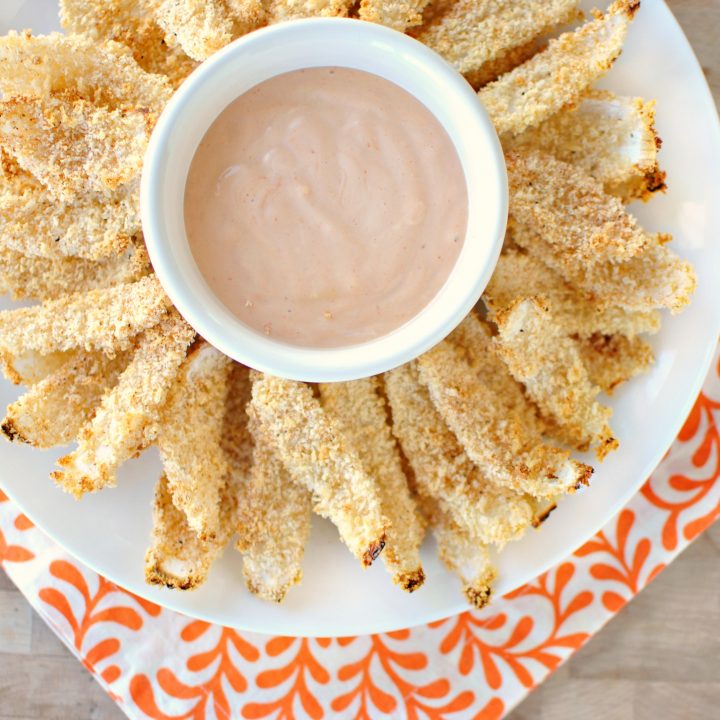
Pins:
x,y
659,659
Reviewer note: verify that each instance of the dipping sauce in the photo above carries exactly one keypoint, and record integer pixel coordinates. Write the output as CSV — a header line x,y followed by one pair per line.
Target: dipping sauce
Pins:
x,y
326,207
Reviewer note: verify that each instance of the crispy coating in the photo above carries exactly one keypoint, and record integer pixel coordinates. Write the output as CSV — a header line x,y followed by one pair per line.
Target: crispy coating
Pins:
x,y
432,13
541,356
32,367
72,146
90,226
315,453
463,555
497,441
281,10
236,441
478,36
572,208
202,27
53,411
396,14
105,319
473,341
177,558
127,420
656,278
504,63
443,473
558,75
275,523
611,360
44,278
105,74
131,23
612,138
519,274
190,430
360,411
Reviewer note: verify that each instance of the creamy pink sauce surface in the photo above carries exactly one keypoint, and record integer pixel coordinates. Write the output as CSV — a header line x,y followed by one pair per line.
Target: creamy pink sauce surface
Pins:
x,y
326,207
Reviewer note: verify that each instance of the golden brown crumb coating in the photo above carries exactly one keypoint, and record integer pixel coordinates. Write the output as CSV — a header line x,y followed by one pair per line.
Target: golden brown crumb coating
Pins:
x,y
131,23
360,411
202,27
558,75
443,472
282,10
612,138
275,523
316,454
105,74
396,14
91,225
28,277
190,429
477,36
177,558
105,319
519,274
572,209
656,278
53,410
611,360
462,555
541,356
127,420
505,449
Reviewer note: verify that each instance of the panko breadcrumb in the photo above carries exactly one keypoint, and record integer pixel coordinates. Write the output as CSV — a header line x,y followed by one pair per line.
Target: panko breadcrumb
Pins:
x,y
542,357
105,319
202,27
656,278
395,14
177,558
443,472
612,138
518,274
90,226
611,360
558,75
127,420
473,341
360,412
282,10
275,523
55,408
462,555
131,23
476,36
315,453
572,209
73,147
498,442
105,74
189,435
28,277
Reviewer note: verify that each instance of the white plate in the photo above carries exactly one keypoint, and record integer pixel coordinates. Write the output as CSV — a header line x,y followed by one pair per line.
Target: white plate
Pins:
x,y
109,531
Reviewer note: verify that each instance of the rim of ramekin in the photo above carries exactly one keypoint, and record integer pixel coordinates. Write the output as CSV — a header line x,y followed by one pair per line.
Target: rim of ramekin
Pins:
x,y
320,42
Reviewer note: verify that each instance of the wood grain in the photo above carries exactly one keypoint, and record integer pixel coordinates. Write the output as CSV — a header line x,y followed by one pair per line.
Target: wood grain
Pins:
x,y
659,659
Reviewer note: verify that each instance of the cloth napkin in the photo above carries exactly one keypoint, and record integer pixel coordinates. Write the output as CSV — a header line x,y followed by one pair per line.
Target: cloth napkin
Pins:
x,y
160,664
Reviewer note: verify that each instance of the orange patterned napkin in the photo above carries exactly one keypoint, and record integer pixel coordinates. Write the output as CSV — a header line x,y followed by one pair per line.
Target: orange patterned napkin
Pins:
x,y
159,664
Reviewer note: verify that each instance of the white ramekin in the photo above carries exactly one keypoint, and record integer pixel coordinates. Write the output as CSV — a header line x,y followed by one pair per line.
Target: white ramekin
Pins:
x,y
314,43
